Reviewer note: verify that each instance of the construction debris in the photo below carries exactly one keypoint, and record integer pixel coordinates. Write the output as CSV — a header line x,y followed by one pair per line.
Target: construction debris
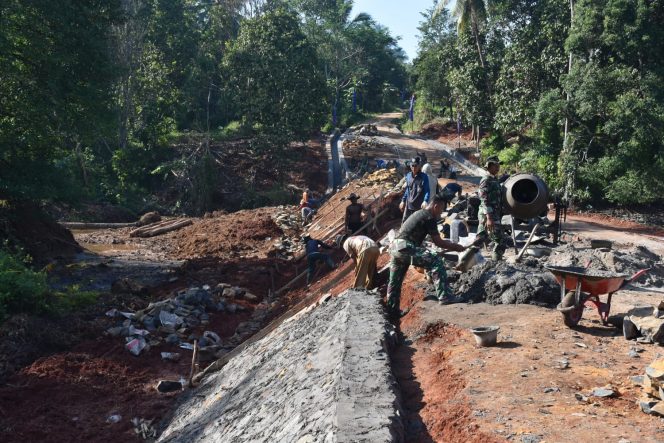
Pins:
x,y
644,322
367,129
386,178
653,389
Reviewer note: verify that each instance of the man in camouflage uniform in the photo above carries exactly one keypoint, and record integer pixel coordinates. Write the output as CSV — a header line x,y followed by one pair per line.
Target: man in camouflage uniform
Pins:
x,y
491,208
406,249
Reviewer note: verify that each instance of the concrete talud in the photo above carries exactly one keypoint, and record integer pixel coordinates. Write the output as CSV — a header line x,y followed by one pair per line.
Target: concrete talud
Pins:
x,y
323,376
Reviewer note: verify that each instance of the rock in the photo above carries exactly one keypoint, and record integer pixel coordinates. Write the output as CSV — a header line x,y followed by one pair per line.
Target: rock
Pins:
x,y
232,308
633,354
172,339
630,331
165,386
170,356
637,380
228,293
136,345
649,326
603,392
657,409
646,404
148,218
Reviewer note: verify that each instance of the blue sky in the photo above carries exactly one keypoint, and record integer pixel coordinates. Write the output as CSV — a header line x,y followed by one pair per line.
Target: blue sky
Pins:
x,y
401,17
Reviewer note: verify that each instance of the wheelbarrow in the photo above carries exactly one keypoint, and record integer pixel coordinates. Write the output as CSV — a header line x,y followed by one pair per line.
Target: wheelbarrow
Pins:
x,y
586,286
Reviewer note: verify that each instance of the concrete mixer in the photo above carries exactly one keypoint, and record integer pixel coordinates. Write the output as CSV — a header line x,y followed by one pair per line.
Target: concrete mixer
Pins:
x,y
525,196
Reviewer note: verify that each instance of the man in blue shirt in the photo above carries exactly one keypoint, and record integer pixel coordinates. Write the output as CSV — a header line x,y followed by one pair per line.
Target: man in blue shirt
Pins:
x,y
417,192
312,248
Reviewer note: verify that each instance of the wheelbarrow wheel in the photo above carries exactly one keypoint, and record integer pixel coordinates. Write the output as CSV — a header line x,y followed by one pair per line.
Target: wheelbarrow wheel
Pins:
x,y
571,314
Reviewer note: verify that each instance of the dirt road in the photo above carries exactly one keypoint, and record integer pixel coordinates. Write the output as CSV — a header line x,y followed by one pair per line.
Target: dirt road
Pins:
x,y
526,388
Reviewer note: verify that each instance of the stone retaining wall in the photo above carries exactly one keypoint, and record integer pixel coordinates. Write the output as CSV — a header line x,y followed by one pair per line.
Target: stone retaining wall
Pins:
x,y
323,375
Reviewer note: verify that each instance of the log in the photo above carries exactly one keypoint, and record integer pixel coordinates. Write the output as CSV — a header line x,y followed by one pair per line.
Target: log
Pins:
x,y
85,225
162,228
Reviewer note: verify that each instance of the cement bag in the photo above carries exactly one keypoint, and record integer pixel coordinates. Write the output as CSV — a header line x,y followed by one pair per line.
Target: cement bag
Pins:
x,y
469,258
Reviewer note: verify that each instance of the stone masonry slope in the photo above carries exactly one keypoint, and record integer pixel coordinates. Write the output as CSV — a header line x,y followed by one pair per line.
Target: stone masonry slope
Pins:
x,y
323,375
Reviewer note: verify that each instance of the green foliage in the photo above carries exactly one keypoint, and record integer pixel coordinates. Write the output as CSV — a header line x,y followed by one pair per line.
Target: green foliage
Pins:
x,y
21,289
272,69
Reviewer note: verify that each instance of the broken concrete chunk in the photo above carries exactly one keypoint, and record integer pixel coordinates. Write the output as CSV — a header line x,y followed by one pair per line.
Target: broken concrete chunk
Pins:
x,y
170,356
136,345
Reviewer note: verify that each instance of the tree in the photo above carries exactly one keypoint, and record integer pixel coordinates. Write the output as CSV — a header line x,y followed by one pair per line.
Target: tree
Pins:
x,y
272,71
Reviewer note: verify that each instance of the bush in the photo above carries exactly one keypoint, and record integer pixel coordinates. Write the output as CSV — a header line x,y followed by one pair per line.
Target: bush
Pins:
x,y
21,289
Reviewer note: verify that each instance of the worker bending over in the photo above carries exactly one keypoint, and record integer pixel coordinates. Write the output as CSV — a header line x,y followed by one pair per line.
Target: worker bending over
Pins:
x,y
314,255
364,252
406,249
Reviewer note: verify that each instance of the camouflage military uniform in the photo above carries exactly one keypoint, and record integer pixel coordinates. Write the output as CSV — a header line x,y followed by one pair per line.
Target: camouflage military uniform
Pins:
x,y
491,205
406,250
422,258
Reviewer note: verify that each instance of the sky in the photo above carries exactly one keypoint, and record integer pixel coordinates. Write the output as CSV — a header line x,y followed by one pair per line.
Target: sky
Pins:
x,y
401,17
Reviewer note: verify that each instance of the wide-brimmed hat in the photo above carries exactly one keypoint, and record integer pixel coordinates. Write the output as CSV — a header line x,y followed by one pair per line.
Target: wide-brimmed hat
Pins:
x,y
352,196
416,161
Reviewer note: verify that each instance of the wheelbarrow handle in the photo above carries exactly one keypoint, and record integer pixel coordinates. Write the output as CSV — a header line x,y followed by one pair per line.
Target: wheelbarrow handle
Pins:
x,y
635,276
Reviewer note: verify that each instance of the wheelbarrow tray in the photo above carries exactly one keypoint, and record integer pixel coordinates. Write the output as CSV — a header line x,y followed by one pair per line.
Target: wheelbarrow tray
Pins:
x,y
593,282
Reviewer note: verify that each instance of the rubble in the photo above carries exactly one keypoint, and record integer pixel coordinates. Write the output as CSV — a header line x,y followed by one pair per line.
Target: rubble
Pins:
x,y
643,322
383,177
622,262
653,389
366,129
173,321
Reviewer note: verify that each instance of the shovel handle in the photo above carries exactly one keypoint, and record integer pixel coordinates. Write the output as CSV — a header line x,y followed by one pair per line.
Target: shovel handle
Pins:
x,y
636,276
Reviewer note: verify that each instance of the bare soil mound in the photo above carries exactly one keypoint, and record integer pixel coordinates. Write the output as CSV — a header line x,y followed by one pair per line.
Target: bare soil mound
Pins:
x,y
228,235
26,226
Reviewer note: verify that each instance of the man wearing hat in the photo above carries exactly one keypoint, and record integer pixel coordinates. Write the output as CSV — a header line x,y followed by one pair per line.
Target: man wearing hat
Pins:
x,y
354,214
417,192
490,212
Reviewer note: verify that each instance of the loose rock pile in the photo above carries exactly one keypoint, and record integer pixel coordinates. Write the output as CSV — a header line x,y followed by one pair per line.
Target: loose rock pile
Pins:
x,y
383,177
288,245
653,389
645,324
367,129
178,321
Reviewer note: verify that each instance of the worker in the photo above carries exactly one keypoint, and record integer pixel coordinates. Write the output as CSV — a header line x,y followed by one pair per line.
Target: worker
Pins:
x,y
433,181
417,194
490,212
354,214
313,248
364,252
406,249
451,189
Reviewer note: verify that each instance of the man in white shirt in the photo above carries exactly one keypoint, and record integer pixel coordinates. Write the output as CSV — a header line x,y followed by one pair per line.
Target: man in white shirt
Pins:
x,y
364,252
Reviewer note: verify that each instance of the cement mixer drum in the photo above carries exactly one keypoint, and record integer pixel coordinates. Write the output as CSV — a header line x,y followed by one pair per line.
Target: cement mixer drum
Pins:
x,y
526,196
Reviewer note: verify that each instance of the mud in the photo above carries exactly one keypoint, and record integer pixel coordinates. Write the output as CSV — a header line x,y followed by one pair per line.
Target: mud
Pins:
x,y
503,283
626,262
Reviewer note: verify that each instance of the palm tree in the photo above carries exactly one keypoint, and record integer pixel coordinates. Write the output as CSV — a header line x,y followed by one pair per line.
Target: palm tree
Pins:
x,y
469,14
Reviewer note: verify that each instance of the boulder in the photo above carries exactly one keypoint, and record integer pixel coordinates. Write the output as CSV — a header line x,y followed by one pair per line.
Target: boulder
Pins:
x,y
149,218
